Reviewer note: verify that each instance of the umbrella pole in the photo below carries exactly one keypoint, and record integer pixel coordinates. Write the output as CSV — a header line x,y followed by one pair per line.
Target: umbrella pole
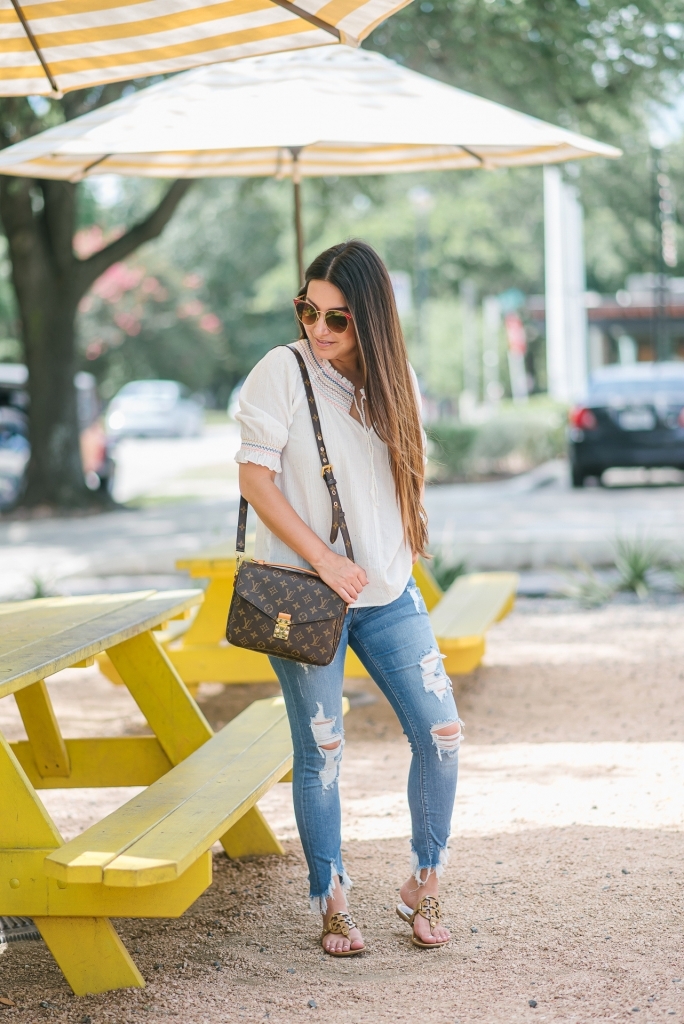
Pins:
x,y
299,230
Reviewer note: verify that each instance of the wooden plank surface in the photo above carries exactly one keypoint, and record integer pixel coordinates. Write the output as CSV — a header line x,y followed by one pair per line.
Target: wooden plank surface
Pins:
x,y
24,822
85,858
161,695
472,604
172,845
38,895
90,953
38,638
100,761
217,559
427,584
44,736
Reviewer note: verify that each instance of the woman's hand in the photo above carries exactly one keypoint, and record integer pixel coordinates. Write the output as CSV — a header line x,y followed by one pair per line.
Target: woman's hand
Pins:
x,y
344,576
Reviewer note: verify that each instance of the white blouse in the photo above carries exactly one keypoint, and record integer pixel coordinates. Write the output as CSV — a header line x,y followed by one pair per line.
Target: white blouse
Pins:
x,y
277,432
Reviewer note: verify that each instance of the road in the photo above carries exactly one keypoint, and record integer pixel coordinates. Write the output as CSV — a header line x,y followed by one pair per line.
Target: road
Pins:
x,y
185,494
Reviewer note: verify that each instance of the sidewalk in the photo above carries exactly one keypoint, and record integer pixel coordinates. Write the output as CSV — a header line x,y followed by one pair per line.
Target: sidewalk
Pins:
x,y
537,520
190,496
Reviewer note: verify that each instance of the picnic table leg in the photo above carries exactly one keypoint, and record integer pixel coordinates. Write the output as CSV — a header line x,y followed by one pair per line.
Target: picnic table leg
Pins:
x,y
88,950
48,746
89,953
251,836
180,727
209,625
161,695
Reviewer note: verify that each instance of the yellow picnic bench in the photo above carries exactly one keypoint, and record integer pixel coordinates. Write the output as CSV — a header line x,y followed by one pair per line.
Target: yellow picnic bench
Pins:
x,y
152,856
200,652
462,616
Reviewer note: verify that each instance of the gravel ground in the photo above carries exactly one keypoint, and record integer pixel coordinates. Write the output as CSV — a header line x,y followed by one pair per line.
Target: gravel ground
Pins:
x,y
565,884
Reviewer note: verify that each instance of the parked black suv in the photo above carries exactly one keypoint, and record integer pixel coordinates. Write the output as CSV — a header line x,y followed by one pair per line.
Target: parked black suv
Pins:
x,y
633,416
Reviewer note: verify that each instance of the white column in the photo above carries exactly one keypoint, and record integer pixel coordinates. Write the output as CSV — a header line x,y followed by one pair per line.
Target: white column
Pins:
x,y
491,330
471,358
566,319
555,294
576,333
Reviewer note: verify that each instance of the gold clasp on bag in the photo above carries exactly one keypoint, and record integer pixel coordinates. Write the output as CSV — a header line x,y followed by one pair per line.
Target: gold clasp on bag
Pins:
x,y
282,626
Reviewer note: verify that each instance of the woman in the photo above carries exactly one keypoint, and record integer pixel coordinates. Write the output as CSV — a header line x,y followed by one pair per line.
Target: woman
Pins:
x,y
368,402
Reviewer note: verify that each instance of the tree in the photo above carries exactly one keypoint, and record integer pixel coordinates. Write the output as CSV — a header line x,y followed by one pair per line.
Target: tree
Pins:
x,y
39,219
190,305
566,60
598,66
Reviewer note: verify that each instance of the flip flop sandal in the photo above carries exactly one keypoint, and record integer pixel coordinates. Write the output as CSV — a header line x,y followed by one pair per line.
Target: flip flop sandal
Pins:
x,y
340,924
429,908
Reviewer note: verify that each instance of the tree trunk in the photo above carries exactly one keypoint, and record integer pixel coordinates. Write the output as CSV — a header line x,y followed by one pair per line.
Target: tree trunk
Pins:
x,y
43,265
49,281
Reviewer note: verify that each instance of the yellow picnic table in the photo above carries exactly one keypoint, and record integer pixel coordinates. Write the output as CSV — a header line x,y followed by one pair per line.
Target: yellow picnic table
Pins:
x,y
151,857
201,653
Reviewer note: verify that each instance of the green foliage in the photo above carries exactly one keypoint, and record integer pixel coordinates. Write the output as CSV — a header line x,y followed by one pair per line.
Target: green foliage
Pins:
x,y
445,573
531,433
9,328
635,559
556,59
181,308
585,587
451,445
591,65
515,439
41,586
677,571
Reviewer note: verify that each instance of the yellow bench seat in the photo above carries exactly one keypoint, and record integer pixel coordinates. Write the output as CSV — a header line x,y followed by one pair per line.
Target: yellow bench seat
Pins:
x,y
161,832
466,611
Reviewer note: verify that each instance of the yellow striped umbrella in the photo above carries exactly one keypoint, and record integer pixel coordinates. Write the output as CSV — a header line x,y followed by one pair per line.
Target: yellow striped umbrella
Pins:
x,y
50,47
310,113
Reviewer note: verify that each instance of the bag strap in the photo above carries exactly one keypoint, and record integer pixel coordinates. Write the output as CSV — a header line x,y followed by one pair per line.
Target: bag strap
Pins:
x,y
339,523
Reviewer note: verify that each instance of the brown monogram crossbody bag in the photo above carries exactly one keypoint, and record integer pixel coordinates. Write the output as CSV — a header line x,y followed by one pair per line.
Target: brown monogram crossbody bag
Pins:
x,y
280,609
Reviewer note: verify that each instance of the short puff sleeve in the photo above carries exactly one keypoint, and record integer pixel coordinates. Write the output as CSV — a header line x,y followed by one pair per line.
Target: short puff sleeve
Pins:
x,y
266,407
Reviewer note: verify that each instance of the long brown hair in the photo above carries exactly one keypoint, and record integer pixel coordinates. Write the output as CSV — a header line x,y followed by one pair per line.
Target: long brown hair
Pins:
x,y
359,273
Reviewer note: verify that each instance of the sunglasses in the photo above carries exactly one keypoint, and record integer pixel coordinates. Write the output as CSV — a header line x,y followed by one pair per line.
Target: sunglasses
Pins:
x,y
336,320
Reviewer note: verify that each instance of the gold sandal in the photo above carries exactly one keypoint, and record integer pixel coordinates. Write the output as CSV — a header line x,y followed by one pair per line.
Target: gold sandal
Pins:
x,y
340,924
429,908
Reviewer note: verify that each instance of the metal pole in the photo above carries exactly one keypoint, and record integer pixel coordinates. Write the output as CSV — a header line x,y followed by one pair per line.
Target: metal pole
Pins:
x,y
299,230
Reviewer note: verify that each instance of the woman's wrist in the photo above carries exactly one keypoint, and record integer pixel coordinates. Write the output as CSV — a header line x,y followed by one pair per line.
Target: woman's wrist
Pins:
x,y
322,558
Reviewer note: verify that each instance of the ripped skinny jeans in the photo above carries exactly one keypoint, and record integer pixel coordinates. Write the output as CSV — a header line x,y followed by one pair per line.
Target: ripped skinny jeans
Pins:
x,y
396,645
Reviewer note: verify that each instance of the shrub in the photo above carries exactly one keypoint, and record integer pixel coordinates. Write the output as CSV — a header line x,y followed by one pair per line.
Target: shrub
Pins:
x,y
585,587
445,573
635,559
450,444
513,440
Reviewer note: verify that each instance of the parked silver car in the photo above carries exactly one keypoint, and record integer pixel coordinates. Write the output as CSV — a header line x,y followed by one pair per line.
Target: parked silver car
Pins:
x,y
154,408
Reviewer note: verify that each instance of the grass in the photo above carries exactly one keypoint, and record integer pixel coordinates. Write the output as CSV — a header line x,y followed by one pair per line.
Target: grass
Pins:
x,y
446,573
42,587
677,572
635,560
585,587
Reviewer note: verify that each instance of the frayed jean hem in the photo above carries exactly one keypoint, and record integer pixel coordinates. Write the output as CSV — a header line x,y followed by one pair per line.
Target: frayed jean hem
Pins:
x,y
319,904
417,868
